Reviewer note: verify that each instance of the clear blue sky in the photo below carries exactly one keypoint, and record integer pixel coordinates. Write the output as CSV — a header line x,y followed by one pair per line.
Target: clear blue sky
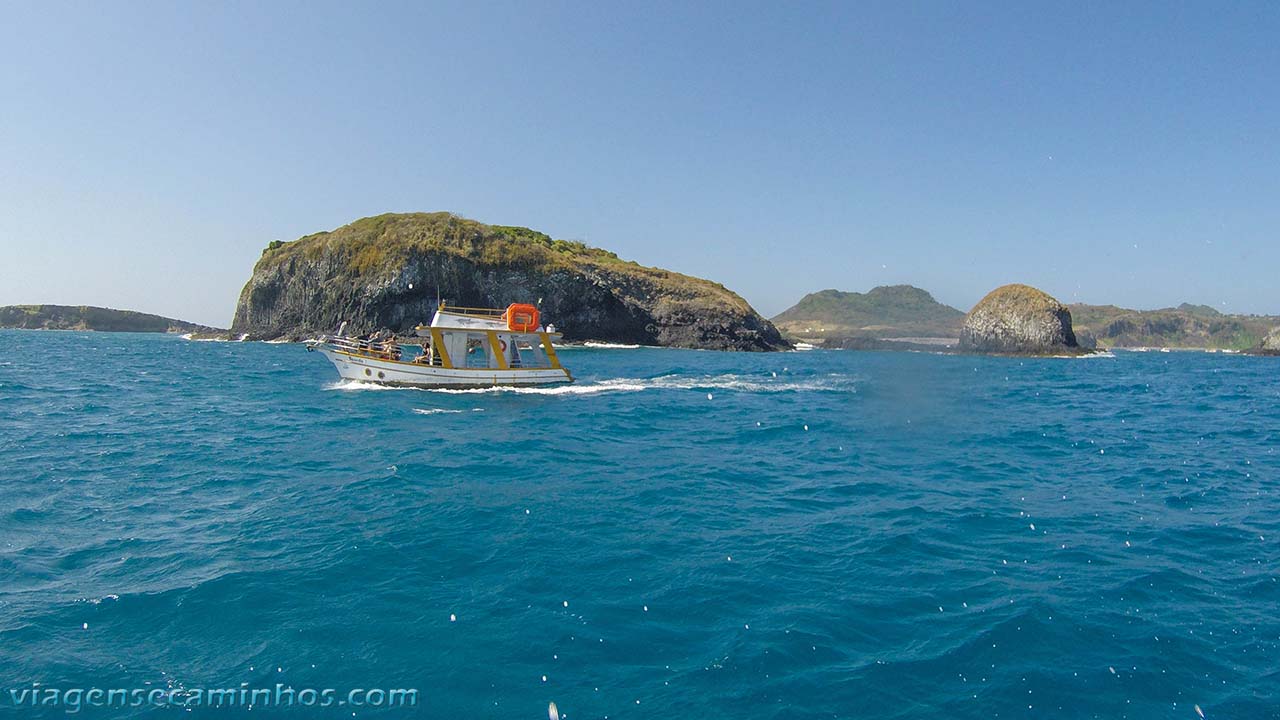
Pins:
x,y
1121,153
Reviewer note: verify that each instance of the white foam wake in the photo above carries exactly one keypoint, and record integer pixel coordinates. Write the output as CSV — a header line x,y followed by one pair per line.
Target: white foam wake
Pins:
x,y
191,337
733,382
1089,356
585,389
354,385
740,383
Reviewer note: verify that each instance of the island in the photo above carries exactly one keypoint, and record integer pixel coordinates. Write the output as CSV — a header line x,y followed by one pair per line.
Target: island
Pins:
x,y
1186,326
889,317
903,317
389,272
88,317
1019,320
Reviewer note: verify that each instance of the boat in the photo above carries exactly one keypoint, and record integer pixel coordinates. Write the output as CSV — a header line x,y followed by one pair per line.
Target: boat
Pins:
x,y
461,348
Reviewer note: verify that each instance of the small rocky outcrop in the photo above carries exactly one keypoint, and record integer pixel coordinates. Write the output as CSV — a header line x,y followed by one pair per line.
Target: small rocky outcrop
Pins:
x,y
1270,344
1019,320
387,273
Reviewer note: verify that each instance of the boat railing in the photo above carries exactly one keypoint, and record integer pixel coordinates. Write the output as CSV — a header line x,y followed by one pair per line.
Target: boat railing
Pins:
x,y
474,312
377,348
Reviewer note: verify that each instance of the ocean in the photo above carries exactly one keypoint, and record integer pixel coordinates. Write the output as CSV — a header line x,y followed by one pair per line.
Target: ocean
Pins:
x,y
679,534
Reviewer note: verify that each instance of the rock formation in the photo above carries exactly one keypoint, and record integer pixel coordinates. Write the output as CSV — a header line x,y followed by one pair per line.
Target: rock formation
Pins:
x,y
1270,344
387,272
1018,320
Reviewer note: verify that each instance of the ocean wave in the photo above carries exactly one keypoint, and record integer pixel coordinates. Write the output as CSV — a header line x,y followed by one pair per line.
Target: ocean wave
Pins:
x,y
443,411
610,346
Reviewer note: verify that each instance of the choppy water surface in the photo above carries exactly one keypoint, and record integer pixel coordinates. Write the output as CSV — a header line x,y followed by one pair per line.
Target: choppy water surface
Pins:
x,y
679,534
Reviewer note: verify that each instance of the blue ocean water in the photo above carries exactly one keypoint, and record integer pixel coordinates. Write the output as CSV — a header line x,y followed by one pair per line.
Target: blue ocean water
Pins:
x,y
679,534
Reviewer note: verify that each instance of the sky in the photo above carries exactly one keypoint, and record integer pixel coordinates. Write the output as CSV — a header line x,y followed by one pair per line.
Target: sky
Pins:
x,y
1124,153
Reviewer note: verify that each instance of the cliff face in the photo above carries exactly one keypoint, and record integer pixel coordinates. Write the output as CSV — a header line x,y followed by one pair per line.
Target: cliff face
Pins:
x,y
1019,320
1270,344
386,272
86,317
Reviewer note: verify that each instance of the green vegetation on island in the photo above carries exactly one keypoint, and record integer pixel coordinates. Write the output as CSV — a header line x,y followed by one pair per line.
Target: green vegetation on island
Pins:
x,y
882,312
1186,326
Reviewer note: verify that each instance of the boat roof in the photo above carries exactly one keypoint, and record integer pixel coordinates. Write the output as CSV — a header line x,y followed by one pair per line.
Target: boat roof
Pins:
x,y
477,320
469,318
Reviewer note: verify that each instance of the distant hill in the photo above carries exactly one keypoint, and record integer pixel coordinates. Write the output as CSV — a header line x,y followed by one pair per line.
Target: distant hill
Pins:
x,y
1186,326
85,317
886,311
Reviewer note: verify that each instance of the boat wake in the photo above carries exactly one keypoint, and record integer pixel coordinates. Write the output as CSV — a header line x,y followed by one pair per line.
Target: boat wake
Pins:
x,y
728,382
192,338
354,385
609,345
578,389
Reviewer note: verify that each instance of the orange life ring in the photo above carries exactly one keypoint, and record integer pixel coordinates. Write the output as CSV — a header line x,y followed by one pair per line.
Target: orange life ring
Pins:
x,y
503,343
521,317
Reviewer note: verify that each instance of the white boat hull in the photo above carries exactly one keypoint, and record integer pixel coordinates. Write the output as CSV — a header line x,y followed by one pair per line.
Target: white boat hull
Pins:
x,y
407,374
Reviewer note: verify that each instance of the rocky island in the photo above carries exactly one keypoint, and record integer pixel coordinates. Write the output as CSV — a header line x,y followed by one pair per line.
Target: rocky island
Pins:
x,y
387,272
87,317
1019,320
1270,344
